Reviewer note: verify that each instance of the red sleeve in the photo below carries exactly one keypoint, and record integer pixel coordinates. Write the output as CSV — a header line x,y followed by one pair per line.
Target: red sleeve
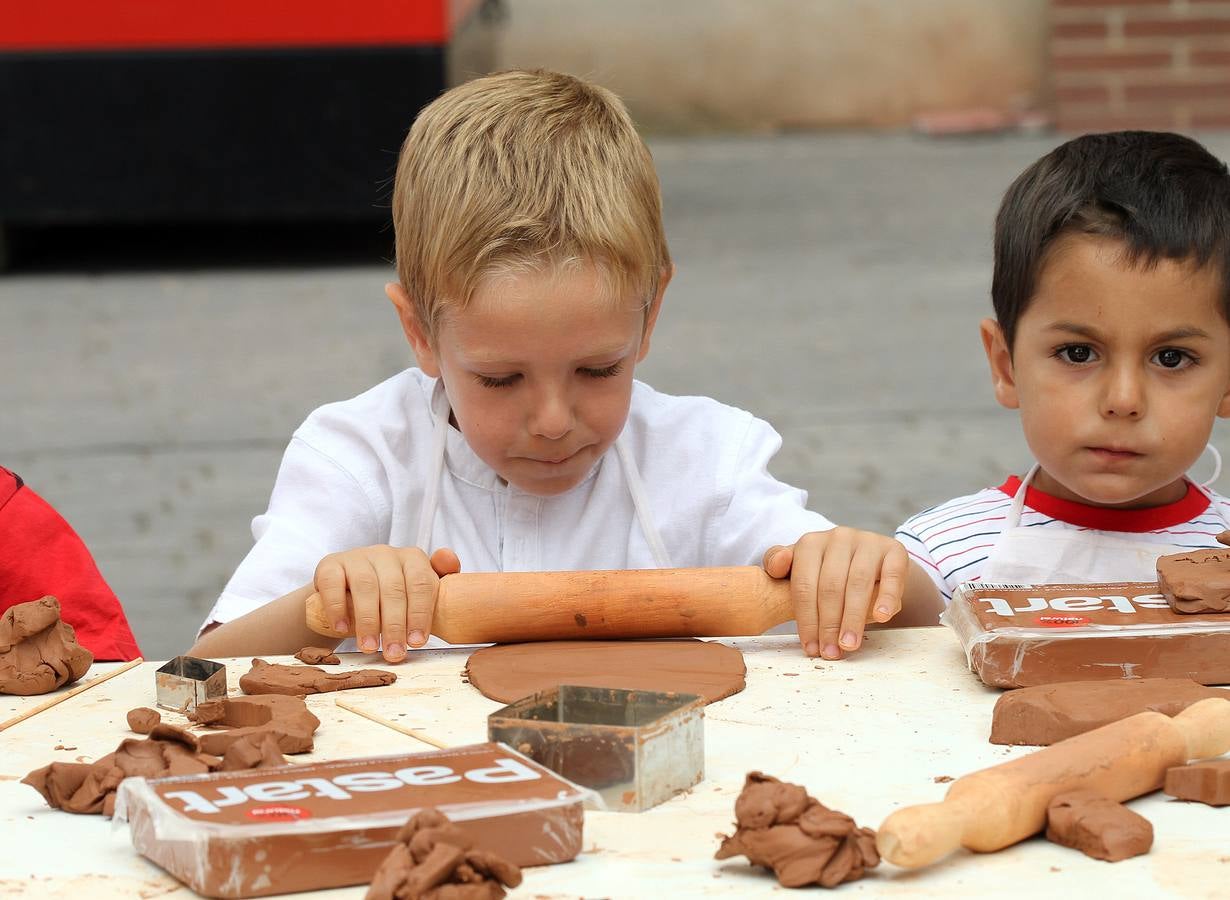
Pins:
x,y
40,554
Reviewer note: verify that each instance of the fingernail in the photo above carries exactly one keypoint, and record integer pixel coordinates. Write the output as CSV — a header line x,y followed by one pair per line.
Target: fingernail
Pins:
x,y
849,641
831,651
341,625
883,613
416,638
812,649
368,645
394,651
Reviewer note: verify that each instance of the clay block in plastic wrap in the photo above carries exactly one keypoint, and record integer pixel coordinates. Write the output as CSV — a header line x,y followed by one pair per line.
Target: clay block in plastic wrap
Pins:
x,y
327,824
1023,635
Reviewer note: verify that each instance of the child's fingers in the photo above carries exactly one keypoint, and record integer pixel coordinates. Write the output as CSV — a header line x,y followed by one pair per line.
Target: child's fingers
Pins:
x,y
893,573
422,586
330,584
778,561
392,586
806,556
831,592
860,585
365,598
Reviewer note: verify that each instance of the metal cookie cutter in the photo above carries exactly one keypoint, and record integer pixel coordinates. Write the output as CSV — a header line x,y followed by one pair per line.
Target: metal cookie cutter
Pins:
x,y
186,681
635,748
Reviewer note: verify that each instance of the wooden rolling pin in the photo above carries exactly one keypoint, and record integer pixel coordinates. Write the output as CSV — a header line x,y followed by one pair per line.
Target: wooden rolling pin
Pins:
x,y
505,607
996,807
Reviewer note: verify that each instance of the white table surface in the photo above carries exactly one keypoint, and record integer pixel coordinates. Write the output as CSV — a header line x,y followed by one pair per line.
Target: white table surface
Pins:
x,y
864,735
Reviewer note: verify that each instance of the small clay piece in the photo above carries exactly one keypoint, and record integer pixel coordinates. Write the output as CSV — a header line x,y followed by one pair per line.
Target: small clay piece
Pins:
x,y
781,827
143,719
299,681
253,752
318,656
38,651
1047,713
435,860
508,672
1197,581
287,719
1206,782
1097,827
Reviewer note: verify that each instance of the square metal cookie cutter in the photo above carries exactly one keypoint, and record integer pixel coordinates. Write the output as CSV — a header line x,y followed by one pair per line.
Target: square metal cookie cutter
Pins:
x,y
186,681
635,748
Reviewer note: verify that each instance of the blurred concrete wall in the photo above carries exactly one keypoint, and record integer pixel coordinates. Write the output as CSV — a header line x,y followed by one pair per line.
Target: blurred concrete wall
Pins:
x,y
692,65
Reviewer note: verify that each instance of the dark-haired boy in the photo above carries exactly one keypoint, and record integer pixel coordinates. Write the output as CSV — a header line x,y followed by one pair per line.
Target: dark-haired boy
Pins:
x,y
1112,338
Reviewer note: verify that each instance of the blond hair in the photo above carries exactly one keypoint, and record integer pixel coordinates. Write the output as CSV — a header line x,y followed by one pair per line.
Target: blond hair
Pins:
x,y
524,169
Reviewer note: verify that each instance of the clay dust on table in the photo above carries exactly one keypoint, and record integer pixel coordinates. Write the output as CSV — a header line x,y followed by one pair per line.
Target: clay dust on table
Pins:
x,y
39,651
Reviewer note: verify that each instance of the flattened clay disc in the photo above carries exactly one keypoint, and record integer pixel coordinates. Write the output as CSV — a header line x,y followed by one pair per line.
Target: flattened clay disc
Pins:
x,y
508,672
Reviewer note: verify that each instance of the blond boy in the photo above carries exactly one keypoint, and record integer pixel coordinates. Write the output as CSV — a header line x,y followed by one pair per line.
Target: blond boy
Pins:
x,y
532,263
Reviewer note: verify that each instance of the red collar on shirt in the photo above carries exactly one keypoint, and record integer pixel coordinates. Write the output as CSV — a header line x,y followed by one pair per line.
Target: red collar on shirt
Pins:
x,y
1101,518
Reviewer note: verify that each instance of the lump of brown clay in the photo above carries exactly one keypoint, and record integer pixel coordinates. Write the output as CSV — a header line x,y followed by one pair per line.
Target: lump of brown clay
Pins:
x,y
1097,827
1197,581
143,719
1048,713
435,860
1206,782
89,788
286,719
781,827
38,651
318,656
299,681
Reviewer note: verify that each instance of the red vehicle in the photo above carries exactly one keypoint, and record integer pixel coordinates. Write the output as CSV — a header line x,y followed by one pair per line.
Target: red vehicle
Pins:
x,y
217,110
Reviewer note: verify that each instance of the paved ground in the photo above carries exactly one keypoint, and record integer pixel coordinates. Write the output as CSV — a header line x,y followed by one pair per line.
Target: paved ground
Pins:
x,y
833,284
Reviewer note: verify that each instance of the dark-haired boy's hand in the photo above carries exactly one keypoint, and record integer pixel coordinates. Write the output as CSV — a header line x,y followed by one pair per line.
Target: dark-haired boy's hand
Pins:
x,y
840,579
392,590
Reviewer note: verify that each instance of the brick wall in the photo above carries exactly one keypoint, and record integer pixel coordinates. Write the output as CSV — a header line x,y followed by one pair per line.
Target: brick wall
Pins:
x,y
1156,64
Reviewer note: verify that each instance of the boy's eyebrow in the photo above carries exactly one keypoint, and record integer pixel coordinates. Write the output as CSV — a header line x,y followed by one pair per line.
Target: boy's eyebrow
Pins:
x,y
601,354
1175,334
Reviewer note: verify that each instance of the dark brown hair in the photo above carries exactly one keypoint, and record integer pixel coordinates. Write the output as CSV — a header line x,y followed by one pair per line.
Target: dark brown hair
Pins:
x,y
1164,196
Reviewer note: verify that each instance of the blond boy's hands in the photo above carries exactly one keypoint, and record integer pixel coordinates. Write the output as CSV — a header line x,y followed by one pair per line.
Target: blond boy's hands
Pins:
x,y
836,577
393,592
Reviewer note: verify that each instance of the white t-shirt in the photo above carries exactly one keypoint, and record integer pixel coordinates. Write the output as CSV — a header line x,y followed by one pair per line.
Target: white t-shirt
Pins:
x,y
952,541
355,475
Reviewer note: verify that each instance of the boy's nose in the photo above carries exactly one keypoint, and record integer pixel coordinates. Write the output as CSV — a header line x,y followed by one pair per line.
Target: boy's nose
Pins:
x,y
552,417
1124,396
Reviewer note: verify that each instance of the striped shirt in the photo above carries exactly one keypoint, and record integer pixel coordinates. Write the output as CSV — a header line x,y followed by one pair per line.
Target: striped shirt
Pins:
x,y
952,541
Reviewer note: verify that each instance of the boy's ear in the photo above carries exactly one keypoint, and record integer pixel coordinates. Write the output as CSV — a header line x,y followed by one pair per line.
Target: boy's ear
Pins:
x,y
1003,378
655,307
423,352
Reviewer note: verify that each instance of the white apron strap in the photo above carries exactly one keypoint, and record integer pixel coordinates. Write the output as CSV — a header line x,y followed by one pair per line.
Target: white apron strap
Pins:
x,y
641,502
435,473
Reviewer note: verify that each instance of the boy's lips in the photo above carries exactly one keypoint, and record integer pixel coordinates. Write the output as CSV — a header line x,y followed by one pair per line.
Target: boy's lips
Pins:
x,y
1114,453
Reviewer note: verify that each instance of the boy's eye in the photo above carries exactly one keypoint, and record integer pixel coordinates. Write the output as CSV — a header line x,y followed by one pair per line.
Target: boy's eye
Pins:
x,y
605,372
1075,353
502,381
1173,358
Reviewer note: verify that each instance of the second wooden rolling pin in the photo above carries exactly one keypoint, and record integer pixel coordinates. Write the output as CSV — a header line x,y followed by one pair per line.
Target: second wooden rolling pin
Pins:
x,y
996,807
505,607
